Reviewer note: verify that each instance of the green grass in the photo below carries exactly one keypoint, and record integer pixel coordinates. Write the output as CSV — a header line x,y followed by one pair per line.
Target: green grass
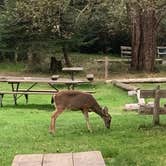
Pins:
x,y
87,61
132,140
8,67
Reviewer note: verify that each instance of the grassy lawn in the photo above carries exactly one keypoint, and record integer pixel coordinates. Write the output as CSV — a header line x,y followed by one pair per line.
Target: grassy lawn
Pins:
x,y
87,61
131,140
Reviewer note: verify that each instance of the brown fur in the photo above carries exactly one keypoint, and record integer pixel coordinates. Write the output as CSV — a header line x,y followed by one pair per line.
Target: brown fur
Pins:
x,y
76,100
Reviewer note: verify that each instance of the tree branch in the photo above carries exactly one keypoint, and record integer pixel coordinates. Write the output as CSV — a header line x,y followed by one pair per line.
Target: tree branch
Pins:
x,y
161,13
82,11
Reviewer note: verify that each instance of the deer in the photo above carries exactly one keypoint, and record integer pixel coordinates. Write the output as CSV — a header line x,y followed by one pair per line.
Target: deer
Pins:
x,y
77,100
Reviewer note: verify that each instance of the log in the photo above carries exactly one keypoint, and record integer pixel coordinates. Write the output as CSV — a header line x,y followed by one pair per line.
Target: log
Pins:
x,y
132,93
134,106
140,80
137,93
141,101
124,86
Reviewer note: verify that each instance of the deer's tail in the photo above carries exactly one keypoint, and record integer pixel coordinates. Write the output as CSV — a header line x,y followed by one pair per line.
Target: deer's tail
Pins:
x,y
53,97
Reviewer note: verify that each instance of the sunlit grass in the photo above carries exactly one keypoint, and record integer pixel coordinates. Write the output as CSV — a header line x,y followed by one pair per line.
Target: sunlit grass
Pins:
x,y
132,140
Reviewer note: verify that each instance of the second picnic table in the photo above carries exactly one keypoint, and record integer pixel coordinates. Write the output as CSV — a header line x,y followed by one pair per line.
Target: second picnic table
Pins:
x,y
72,70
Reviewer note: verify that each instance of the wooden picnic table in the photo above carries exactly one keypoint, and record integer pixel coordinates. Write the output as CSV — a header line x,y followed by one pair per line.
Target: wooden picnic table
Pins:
x,y
72,70
93,158
17,81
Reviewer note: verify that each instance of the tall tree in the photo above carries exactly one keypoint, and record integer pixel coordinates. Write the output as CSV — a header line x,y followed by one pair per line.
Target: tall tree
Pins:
x,y
145,18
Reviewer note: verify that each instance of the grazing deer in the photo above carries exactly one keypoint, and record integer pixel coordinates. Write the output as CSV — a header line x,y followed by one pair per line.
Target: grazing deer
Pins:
x,y
76,100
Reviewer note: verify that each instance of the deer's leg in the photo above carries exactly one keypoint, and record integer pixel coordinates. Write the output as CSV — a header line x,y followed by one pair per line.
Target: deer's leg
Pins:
x,y
86,115
53,119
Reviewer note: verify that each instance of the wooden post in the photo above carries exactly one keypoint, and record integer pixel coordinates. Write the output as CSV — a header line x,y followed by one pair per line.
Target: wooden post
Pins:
x,y
106,68
156,118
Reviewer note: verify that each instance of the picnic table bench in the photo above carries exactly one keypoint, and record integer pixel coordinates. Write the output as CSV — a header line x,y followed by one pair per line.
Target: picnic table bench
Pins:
x,y
161,51
93,158
24,93
125,51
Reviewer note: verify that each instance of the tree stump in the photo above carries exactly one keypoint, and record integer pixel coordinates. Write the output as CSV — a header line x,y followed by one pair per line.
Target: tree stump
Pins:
x,y
55,65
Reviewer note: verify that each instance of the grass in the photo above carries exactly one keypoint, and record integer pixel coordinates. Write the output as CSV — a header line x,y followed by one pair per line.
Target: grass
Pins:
x,y
88,61
132,140
7,66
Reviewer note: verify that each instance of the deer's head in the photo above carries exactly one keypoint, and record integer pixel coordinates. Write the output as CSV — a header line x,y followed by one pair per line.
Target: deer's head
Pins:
x,y
107,117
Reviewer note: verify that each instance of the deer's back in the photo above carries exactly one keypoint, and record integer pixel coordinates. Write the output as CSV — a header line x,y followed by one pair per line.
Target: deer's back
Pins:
x,y
74,100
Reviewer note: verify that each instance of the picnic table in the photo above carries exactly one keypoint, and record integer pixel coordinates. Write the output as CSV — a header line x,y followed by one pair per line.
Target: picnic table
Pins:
x,y
93,158
72,70
37,80
15,83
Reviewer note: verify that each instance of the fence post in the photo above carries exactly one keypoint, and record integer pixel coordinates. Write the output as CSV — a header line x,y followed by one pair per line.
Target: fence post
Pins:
x,y
156,118
106,68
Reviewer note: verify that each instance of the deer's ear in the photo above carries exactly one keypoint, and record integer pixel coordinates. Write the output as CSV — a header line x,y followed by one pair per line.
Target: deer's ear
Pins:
x,y
105,110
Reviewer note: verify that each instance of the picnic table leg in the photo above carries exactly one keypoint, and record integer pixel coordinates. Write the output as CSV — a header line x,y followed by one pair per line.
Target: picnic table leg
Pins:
x,y
72,75
1,98
15,90
70,86
31,86
53,86
26,97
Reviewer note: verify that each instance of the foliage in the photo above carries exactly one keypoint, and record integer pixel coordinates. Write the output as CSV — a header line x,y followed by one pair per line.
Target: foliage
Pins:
x,y
88,26
100,23
35,21
35,26
162,33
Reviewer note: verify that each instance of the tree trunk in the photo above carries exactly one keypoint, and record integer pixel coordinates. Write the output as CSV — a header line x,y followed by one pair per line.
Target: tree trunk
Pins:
x,y
143,23
149,40
30,56
136,39
66,57
16,55
55,65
